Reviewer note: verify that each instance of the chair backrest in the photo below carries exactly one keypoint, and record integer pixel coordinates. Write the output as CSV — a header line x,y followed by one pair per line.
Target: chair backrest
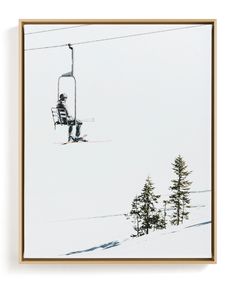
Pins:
x,y
59,116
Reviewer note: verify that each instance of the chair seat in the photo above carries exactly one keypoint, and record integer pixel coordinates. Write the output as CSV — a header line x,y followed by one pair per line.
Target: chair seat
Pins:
x,y
60,117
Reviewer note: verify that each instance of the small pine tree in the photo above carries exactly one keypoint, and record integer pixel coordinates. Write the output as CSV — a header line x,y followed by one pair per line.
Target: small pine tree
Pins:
x,y
158,220
180,191
136,216
165,202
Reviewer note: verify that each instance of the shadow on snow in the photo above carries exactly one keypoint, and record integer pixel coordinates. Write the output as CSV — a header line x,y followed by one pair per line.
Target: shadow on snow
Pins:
x,y
116,243
103,246
199,224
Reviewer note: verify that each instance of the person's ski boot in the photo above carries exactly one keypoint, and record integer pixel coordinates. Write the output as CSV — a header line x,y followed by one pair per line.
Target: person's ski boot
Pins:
x,y
80,139
70,138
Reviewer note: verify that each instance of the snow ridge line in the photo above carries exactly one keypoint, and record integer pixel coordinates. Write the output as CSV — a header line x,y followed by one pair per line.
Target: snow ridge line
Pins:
x,y
92,217
195,192
120,214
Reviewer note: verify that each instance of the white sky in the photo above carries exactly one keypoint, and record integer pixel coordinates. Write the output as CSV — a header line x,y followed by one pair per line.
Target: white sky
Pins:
x,y
149,95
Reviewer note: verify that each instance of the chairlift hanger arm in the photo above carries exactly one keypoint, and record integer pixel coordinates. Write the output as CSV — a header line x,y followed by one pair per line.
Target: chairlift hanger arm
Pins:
x,y
72,59
69,75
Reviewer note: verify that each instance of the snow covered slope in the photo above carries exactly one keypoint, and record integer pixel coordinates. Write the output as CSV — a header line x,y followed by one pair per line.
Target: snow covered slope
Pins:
x,y
190,240
182,242
108,236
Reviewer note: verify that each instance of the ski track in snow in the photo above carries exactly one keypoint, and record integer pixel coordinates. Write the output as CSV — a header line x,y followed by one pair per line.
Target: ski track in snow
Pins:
x,y
91,217
125,214
199,224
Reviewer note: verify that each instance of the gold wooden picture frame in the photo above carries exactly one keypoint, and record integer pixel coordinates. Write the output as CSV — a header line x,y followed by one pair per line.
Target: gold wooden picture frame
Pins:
x,y
177,69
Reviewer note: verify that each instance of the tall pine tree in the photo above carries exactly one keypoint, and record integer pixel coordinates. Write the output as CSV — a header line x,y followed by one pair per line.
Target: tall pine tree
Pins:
x,y
179,198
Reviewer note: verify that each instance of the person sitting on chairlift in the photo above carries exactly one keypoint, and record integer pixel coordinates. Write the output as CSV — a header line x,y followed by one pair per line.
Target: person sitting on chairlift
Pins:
x,y
71,122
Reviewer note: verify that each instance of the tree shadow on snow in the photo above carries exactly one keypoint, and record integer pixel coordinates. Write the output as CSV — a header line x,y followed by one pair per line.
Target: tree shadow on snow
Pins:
x,y
103,246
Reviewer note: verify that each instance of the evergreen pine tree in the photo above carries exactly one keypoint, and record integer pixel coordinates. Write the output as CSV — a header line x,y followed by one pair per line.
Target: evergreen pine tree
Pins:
x,y
165,202
158,220
135,213
144,213
179,197
148,201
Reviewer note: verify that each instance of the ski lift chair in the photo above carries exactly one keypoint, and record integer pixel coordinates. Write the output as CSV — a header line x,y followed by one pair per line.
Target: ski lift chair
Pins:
x,y
60,117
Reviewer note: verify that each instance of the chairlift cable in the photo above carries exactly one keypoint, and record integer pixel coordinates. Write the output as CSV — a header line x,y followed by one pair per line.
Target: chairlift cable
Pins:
x,y
116,37
56,29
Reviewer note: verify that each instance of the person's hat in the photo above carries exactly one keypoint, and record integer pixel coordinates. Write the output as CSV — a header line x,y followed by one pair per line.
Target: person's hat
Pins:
x,y
63,96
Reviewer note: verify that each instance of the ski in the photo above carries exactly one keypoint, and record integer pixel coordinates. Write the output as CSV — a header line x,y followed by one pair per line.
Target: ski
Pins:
x,y
84,141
